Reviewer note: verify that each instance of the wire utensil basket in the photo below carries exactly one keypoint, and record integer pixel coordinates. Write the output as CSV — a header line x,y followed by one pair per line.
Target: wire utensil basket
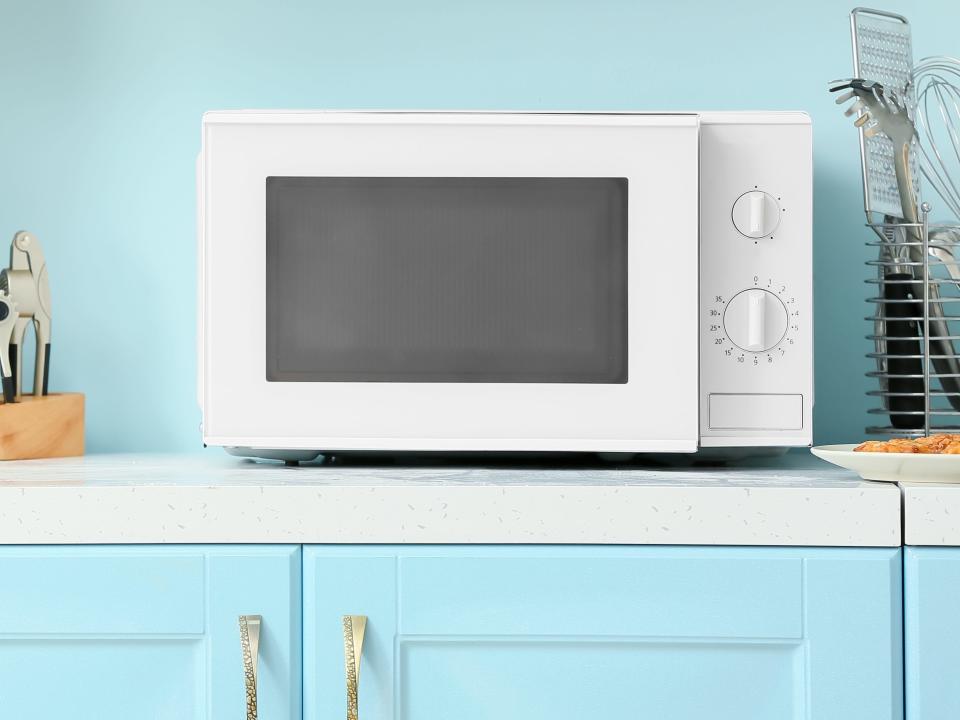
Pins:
x,y
916,324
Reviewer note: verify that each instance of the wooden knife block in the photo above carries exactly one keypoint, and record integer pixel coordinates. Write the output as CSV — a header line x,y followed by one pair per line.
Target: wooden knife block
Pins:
x,y
42,427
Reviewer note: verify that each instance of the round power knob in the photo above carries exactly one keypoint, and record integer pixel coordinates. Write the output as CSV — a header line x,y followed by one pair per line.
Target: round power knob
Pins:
x,y
756,214
755,320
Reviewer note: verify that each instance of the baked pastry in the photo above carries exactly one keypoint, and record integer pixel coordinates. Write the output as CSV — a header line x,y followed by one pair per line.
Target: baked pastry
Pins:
x,y
941,444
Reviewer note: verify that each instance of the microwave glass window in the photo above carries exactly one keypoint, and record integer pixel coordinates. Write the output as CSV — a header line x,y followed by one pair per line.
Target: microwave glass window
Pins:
x,y
488,280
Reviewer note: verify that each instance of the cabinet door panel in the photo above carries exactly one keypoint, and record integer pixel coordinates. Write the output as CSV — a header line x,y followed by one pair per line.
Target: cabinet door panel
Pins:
x,y
716,597
573,632
932,627
64,593
586,678
99,677
146,632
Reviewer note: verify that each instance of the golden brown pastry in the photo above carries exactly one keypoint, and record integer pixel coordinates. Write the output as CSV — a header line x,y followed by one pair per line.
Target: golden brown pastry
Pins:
x,y
941,444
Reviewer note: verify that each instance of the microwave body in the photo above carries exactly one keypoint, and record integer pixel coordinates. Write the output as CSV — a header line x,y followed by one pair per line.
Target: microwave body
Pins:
x,y
411,281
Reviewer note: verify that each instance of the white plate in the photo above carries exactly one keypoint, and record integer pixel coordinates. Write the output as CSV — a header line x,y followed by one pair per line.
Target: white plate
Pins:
x,y
893,467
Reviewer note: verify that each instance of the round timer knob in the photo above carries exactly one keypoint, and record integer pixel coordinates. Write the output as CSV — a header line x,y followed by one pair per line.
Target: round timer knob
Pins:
x,y
755,320
756,214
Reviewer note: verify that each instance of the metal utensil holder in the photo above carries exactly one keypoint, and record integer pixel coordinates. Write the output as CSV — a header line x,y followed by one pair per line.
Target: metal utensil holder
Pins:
x,y
937,295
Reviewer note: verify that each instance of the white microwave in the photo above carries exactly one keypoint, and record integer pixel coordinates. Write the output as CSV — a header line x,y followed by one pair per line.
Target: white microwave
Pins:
x,y
447,281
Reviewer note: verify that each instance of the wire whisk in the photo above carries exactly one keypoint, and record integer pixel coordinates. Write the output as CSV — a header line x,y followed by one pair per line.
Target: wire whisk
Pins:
x,y
937,86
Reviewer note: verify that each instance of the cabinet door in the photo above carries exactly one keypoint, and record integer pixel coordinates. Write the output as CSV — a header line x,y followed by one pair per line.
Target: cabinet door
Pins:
x,y
555,633
146,633
932,628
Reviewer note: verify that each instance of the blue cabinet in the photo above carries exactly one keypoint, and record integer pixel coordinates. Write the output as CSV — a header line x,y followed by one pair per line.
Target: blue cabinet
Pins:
x,y
543,633
932,632
146,633
550,633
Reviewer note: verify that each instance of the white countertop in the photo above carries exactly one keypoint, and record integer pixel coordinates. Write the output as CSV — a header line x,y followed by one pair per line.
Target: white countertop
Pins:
x,y
214,498
931,514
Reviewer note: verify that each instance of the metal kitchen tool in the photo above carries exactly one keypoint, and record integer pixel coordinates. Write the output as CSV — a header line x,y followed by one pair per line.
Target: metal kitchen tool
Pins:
x,y
937,84
8,321
943,246
882,52
896,333
881,111
934,301
913,322
897,339
27,283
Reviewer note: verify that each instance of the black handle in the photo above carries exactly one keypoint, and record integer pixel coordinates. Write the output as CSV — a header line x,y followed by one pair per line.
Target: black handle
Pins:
x,y
14,360
903,339
942,352
9,389
46,371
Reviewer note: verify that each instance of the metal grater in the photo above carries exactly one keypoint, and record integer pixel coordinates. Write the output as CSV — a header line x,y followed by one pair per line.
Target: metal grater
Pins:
x,y
883,53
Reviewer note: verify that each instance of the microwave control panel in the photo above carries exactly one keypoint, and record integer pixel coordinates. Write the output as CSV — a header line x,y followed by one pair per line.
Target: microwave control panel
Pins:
x,y
756,280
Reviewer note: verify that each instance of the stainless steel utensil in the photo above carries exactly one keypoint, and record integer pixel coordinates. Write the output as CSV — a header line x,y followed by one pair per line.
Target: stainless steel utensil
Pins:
x,y
882,52
897,332
937,84
882,111
27,282
943,246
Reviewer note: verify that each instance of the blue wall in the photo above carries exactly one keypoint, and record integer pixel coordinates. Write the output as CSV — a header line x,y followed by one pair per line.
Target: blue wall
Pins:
x,y
100,105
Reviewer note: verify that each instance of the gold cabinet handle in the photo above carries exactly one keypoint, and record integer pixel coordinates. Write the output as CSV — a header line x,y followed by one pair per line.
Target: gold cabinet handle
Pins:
x,y
250,649
354,627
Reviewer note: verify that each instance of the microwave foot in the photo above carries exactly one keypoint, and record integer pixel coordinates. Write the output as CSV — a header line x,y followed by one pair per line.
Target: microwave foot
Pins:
x,y
290,458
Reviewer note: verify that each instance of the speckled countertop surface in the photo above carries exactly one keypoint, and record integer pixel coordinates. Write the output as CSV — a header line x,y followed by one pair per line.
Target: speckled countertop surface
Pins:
x,y
214,498
931,514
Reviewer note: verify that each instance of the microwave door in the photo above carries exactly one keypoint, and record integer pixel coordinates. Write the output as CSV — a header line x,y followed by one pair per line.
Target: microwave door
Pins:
x,y
451,283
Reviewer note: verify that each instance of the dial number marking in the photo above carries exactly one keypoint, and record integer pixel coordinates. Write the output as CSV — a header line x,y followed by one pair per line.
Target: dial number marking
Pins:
x,y
754,323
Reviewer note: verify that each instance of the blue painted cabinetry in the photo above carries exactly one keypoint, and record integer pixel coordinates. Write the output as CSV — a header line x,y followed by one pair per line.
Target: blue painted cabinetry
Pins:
x,y
538,632
550,633
932,632
146,633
